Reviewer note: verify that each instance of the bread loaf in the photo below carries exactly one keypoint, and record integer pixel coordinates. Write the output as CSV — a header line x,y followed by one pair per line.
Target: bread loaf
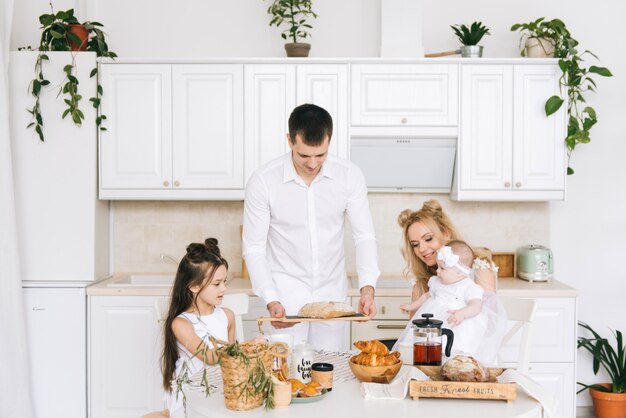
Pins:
x,y
463,368
326,310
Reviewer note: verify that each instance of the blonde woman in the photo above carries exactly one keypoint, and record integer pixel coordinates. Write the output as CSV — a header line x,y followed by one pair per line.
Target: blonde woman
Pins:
x,y
424,232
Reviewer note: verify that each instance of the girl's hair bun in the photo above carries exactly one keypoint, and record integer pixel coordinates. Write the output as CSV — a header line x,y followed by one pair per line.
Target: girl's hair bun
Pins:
x,y
197,252
211,244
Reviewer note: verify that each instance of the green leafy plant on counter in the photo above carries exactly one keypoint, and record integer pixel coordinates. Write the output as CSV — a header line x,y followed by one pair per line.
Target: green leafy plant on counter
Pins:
x,y
293,13
470,35
60,32
574,82
612,359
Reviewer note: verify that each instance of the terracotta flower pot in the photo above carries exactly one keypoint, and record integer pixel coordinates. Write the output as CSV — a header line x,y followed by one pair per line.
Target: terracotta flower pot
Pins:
x,y
83,35
297,49
607,404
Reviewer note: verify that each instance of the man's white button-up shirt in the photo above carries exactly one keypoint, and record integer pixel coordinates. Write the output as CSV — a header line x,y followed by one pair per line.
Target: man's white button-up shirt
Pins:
x,y
293,234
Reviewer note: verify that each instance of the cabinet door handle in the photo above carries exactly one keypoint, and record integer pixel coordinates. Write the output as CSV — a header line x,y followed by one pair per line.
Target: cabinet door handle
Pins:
x,y
518,184
383,309
390,326
166,183
176,183
507,184
403,120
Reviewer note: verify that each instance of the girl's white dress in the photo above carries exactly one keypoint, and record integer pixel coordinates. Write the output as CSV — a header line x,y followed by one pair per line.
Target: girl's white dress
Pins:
x,y
479,336
213,325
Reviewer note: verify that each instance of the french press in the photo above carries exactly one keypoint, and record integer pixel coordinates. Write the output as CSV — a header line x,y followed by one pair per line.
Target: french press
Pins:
x,y
427,342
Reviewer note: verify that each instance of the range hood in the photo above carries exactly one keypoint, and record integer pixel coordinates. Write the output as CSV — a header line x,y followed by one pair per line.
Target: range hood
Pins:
x,y
405,164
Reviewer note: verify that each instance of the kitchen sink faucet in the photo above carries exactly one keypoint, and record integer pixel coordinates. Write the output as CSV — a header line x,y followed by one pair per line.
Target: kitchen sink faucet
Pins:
x,y
168,258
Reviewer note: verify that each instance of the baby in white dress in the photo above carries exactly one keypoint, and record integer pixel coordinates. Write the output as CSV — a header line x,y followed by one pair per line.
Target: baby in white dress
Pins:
x,y
455,298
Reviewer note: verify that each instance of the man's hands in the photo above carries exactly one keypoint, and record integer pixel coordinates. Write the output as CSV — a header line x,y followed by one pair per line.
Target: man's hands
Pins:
x,y
277,310
366,303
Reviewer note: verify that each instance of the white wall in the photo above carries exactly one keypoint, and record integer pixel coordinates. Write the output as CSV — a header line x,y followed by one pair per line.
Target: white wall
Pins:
x,y
587,231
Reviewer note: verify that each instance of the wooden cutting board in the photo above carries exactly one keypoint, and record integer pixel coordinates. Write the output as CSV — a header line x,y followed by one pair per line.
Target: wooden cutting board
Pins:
x,y
296,318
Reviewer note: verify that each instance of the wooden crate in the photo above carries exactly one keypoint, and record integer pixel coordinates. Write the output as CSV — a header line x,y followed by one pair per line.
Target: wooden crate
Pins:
x,y
505,263
436,387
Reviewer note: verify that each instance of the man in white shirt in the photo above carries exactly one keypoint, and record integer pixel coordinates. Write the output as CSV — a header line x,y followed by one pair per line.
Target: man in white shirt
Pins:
x,y
293,230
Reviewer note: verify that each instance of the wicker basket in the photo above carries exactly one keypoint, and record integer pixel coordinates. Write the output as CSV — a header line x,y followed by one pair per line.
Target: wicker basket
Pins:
x,y
241,374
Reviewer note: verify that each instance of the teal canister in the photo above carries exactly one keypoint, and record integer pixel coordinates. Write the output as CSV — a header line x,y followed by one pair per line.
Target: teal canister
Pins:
x,y
534,263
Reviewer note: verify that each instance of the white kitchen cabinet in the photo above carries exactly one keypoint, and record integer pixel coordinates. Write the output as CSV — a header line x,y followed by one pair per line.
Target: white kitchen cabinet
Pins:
x,y
389,322
174,131
272,91
256,309
56,331
125,345
553,350
508,148
404,95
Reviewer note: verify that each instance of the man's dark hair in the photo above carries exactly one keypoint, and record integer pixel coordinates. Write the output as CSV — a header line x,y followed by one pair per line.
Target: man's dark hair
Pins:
x,y
312,122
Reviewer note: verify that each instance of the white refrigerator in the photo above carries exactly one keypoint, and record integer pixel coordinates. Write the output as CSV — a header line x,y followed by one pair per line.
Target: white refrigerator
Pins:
x,y
56,332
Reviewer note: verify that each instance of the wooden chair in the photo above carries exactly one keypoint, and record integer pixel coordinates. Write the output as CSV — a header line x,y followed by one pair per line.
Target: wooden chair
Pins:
x,y
522,312
236,302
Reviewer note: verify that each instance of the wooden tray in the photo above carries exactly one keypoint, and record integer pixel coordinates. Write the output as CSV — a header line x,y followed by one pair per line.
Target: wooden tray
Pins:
x,y
439,388
296,318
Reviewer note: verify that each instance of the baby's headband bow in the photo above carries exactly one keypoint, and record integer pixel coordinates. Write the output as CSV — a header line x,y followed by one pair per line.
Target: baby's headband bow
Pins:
x,y
450,259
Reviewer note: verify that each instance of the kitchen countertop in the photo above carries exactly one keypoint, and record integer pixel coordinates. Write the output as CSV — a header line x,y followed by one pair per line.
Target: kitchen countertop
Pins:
x,y
388,285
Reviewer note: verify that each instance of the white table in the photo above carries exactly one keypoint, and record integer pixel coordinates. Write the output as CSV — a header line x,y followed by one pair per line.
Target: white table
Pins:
x,y
346,401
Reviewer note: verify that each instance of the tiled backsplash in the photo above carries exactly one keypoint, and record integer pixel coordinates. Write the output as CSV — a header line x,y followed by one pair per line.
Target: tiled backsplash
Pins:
x,y
143,230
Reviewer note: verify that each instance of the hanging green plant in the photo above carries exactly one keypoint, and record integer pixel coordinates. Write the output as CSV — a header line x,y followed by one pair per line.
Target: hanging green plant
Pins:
x,y
574,82
62,31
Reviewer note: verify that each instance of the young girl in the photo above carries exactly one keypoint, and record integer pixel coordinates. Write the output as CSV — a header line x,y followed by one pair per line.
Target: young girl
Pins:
x,y
194,316
454,297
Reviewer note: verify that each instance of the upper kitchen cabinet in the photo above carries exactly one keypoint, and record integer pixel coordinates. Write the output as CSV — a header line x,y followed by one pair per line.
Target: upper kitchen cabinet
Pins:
x,y
404,95
271,93
174,131
509,150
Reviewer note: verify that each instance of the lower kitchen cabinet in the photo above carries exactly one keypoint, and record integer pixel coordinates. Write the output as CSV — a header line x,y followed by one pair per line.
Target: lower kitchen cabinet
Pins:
x,y
389,322
256,309
125,344
553,351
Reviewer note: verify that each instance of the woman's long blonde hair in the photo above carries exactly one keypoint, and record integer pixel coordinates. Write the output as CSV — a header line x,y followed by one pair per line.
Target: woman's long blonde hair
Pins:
x,y
432,216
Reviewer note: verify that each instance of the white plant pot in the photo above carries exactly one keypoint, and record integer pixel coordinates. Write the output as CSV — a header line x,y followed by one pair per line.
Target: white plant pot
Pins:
x,y
539,48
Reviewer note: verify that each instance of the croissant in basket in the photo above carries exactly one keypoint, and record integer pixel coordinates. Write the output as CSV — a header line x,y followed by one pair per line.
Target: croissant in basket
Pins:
x,y
372,347
374,353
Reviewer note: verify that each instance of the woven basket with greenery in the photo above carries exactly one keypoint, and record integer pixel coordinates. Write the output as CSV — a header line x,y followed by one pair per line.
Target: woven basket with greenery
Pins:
x,y
246,373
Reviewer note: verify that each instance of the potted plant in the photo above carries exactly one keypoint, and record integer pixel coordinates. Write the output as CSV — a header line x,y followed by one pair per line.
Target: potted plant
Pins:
x,y
293,13
538,37
609,399
470,37
574,82
62,31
